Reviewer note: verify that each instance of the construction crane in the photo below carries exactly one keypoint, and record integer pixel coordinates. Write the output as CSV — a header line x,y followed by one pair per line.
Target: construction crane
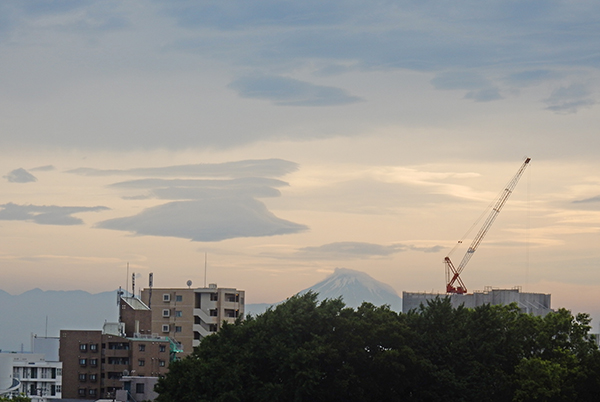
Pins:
x,y
454,283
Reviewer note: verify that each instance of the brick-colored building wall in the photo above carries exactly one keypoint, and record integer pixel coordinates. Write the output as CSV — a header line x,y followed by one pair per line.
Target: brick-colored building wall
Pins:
x,y
93,362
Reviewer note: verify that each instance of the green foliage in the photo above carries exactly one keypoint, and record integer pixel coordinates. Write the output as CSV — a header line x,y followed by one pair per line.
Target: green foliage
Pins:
x,y
18,398
303,350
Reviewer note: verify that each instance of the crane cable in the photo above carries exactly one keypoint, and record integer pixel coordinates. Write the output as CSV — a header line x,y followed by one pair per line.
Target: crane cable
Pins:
x,y
476,223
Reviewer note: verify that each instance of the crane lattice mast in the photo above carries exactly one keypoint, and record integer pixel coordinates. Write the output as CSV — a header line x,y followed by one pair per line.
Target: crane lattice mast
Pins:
x,y
454,283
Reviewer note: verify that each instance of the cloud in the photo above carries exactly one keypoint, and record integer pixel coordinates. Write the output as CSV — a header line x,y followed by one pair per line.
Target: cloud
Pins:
x,y
194,49
206,220
45,168
484,95
358,250
45,215
531,77
221,205
480,89
569,99
177,189
245,168
588,200
237,15
20,175
283,91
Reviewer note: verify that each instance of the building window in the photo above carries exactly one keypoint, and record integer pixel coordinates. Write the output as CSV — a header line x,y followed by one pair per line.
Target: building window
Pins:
x,y
82,362
118,360
179,298
177,329
93,347
92,392
141,362
166,312
178,313
166,297
59,372
229,297
118,346
214,297
165,328
81,392
161,363
82,377
139,388
142,347
162,348
212,327
213,312
83,347
93,377
94,362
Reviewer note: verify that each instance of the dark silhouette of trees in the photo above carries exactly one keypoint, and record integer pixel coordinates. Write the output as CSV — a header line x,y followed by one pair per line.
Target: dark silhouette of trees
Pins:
x,y
303,350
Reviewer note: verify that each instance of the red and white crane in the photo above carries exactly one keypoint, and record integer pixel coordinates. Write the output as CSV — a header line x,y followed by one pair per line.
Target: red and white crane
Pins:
x,y
454,283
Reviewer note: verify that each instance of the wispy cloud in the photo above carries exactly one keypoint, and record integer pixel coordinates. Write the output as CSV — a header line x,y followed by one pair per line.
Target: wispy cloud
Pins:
x,y
46,168
284,91
591,200
570,99
20,175
180,189
358,250
236,169
45,215
479,88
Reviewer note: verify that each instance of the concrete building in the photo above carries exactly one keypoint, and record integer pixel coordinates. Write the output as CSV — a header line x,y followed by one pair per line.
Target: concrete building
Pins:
x,y
137,388
531,303
188,315
31,375
94,362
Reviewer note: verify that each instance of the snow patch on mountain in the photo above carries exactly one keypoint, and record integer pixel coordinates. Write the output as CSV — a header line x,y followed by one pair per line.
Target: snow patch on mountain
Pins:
x,y
356,287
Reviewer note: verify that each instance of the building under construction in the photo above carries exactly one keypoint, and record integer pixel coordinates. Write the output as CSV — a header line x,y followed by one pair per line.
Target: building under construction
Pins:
x,y
456,291
531,303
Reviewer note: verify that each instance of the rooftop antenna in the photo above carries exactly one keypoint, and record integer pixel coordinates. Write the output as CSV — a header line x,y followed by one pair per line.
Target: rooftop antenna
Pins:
x,y
189,283
133,284
204,269
127,281
150,280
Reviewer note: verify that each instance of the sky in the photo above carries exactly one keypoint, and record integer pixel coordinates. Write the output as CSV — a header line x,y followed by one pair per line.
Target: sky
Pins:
x,y
273,141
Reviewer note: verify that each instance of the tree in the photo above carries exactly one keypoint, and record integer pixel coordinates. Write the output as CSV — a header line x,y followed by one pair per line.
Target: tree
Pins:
x,y
300,350
303,350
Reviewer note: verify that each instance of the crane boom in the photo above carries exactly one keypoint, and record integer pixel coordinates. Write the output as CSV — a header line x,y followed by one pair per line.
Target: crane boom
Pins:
x,y
454,283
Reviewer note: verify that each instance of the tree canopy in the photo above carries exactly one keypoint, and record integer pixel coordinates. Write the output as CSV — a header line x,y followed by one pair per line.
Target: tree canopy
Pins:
x,y
303,350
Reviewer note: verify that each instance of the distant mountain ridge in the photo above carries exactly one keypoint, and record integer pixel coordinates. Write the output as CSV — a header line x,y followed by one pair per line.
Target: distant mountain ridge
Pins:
x,y
24,314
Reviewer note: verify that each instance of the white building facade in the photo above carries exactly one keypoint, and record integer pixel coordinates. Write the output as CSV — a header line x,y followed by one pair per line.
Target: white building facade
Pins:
x,y
37,378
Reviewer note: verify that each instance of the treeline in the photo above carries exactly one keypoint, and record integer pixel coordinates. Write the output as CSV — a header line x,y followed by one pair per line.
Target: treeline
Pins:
x,y
303,350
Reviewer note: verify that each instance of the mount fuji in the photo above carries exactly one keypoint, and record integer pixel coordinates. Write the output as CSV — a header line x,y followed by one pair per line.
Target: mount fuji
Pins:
x,y
354,287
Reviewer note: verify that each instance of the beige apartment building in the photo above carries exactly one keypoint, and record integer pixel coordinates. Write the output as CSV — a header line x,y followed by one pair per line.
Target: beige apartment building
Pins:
x,y
189,314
